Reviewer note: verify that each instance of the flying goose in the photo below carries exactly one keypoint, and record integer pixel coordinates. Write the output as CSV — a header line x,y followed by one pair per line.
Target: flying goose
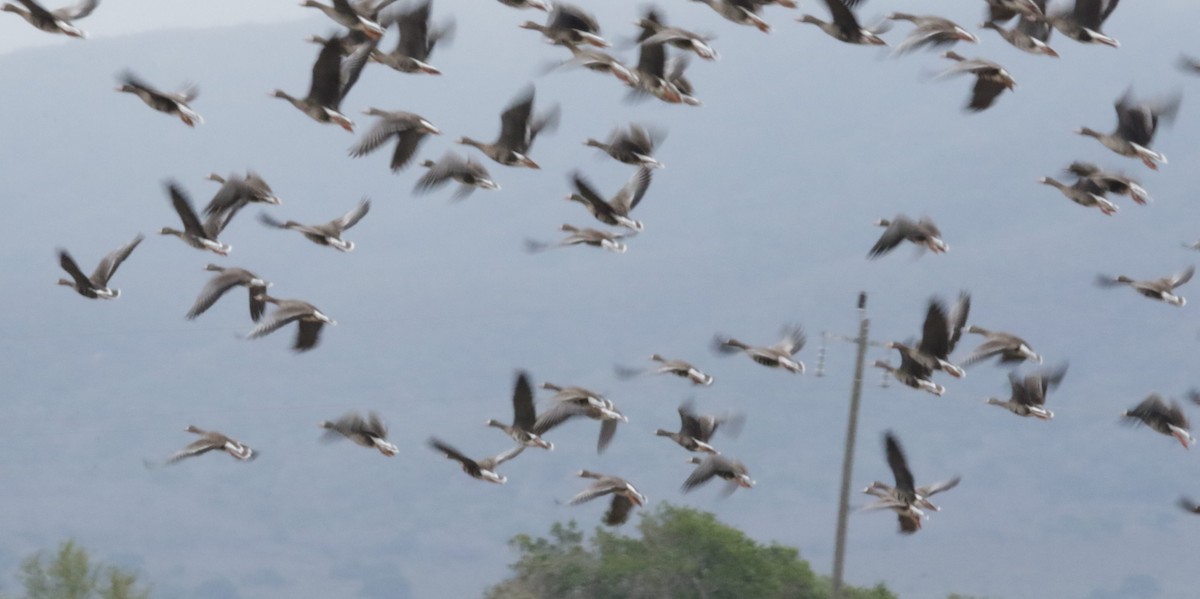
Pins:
x,y
907,501
60,20
654,31
651,77
632,145
452,166
227,278
1083,23
901,228
742,12
346,15
615,211
570,402
678,368
208,441
696,430
484,469
1029,393
329,233
1009,347
1136,126
598,61
1001,11
568,24
524,416
779,355
844,26
930,30
518,130
624,496
1030,34
593,237
237,191
174,103
96,286
200,236
409,130
417,41
542,5
332,79
939,336
991,79
912,374
732,471
368,432
1161,418
308,318
1111,182
1084,191
1160,289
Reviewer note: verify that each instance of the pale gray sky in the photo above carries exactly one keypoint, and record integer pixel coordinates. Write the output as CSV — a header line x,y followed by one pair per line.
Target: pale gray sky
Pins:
x,y
762,216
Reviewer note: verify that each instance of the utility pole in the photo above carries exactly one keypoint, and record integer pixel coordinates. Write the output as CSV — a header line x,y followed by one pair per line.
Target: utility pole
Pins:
x,y
839,552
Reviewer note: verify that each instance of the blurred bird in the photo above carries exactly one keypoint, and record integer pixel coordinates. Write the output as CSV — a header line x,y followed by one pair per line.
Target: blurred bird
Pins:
x,y
910,503
470,175
59,20
417,41
924,233
327,234
173,103
991,79
484,469
624,496
615,211
779,355
518,130
200,236
227,278
96,286
209,441
1161,418
308,318
367,432
1029,393
1159,289
844,26
593,237
409,130
524,416
332,79
1137,122
732,471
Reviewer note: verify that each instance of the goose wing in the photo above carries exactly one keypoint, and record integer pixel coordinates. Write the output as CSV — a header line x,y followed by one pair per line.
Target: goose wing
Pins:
x,y
76,11
602,487
307,335
68,264
898,230
556,415
216,287
280,317
843,17
468,464
631,194
108,265
351,218
514,122
183,206
618,510
596,203
414,31
935,336
899,465
325,89
524,415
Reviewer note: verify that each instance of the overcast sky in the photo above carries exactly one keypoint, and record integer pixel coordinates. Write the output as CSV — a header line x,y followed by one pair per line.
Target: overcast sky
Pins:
x,y
762,217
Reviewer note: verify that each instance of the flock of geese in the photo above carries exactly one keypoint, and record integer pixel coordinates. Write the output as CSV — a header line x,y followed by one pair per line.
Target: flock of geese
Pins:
x,y
659,72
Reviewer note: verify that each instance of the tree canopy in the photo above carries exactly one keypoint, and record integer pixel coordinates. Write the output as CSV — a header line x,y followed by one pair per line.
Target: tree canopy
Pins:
x,y
682,554
71,574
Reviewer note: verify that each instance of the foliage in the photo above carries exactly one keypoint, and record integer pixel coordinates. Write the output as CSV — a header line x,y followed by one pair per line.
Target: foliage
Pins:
x,y
682,554
71,574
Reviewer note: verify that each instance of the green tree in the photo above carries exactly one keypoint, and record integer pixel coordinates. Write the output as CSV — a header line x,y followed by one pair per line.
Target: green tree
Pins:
x,y
71,574
682,554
